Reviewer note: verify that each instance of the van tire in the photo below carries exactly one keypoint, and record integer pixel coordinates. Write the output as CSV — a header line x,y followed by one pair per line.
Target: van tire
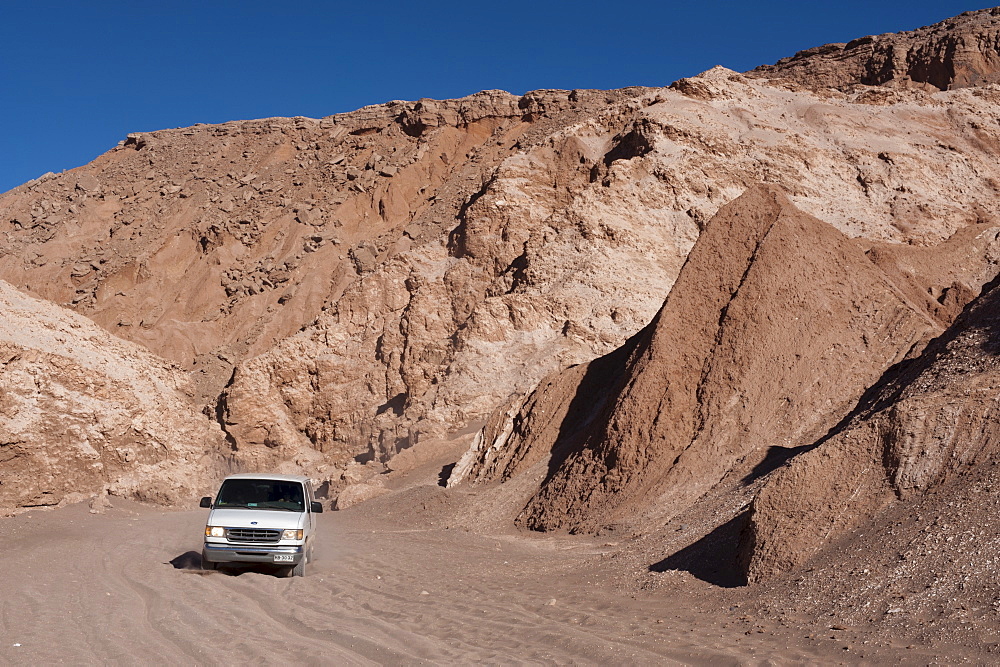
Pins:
x,y
207,564
299,570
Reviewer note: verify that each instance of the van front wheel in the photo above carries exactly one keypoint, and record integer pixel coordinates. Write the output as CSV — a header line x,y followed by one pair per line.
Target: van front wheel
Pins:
x,y
207,564
294,570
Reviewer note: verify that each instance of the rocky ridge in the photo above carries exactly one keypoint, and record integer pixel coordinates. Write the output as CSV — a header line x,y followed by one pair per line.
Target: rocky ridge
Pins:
x,y
371,279
524,283
959,52
83,413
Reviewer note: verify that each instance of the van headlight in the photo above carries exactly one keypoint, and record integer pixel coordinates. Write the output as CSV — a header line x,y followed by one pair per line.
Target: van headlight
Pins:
x,y
215,531
291,534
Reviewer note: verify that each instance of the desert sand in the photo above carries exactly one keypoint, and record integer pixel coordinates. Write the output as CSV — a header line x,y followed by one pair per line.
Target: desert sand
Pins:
x,y
125,587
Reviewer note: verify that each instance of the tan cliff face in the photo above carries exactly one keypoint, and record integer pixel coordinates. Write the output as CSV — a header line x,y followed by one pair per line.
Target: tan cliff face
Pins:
x,y
209,244
697,414
548,230
569,247
85,413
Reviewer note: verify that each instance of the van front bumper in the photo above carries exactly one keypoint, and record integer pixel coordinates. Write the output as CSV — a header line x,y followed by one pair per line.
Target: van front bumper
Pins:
x,y
251,553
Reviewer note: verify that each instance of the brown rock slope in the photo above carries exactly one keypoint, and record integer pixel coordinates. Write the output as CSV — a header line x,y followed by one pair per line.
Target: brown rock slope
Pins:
x,y
925,569
775,327
209,244
84,413
956,53
930,424
531,280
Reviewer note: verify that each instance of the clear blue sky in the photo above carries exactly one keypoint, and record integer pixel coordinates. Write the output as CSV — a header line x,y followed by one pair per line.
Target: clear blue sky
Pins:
x,y
76,76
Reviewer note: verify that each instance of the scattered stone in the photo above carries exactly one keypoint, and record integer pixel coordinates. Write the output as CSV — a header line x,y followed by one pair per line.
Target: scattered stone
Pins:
x,y
87,182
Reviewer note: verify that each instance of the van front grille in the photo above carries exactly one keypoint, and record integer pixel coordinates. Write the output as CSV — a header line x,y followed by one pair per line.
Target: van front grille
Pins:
x,y
253,535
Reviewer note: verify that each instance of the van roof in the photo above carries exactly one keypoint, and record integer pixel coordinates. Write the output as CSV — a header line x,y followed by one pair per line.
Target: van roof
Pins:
x,y
267,475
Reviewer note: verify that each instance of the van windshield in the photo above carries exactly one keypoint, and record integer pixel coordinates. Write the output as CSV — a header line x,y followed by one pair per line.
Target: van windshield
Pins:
x,y
268,494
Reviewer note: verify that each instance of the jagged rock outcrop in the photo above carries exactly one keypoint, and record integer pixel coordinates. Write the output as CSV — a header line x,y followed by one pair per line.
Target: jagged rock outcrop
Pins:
x,y
958,52
929,423
84,413
775,327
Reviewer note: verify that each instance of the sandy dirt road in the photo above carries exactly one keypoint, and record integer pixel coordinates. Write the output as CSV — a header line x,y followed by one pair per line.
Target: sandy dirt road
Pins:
x,y
125,587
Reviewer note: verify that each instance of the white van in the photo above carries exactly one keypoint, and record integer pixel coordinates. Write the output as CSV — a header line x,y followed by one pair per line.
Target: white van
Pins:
x,y
260,518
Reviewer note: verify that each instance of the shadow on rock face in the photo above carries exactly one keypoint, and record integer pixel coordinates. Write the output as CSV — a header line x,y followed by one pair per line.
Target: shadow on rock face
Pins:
x,y
713,558
445,474
776,457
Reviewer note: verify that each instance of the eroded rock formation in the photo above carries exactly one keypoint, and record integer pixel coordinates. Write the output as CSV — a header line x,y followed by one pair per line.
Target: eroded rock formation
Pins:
x,y
371,279
85,413
775,327
342,289
959,52
531,277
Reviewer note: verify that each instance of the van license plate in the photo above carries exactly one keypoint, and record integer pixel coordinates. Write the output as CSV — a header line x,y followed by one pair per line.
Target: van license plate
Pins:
x,y
284,558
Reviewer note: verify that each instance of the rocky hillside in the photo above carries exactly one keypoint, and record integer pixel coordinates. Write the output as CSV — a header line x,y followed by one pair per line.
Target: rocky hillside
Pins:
x,y
804,399
929,423
776,326
85,413
529,278
356,330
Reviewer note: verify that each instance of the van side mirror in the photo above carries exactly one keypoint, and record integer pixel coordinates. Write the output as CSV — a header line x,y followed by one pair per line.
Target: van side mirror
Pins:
x,y
316,507
206,502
